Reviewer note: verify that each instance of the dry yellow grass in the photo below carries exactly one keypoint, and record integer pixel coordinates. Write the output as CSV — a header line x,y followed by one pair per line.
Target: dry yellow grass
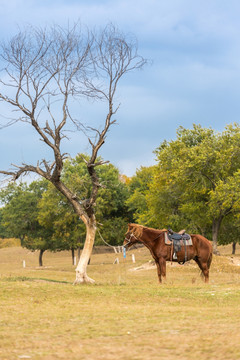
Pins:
x,y
125,315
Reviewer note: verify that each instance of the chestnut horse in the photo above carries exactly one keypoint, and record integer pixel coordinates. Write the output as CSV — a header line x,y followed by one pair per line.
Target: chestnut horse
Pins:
x,y
154,240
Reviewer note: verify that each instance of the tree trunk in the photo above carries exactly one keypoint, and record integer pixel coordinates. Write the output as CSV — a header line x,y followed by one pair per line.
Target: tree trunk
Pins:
x,y
215,230
40,257
72,250
78,252
233,248
90,223
21,239
81,270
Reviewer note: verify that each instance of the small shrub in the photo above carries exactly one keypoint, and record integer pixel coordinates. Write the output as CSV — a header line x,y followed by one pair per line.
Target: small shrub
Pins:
x,y
5,243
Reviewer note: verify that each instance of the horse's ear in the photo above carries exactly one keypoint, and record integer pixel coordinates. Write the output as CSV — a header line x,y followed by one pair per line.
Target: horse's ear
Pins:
x,y
137,230
130,227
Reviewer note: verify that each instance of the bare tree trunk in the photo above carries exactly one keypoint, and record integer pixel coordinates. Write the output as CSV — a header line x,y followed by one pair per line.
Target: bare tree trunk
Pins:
x,y
72,250
21,239
81,270
90,223
215,230
40,257
233,248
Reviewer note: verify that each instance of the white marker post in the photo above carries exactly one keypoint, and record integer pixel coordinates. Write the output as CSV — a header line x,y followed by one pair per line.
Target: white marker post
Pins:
x,y
133,258
24,263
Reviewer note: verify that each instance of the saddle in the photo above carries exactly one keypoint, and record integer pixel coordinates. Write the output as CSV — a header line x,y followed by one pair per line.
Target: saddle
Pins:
x,y
173,236
177,240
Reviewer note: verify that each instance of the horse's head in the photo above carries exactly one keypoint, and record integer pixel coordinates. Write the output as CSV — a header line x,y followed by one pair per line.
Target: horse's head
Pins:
x,y
130,239
132,236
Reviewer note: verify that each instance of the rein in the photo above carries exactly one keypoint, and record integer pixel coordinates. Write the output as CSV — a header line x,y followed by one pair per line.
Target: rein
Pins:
x,y
157,237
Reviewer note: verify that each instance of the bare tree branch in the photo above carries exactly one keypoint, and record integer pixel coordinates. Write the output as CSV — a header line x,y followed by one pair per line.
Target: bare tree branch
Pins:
x,y
47,69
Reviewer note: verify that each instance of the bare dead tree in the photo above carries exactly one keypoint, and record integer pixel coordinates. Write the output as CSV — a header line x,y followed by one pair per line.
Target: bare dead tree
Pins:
x,y
45,67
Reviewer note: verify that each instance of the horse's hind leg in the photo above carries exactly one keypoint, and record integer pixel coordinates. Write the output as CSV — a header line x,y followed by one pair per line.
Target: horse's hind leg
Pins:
x,y
204,268
209,261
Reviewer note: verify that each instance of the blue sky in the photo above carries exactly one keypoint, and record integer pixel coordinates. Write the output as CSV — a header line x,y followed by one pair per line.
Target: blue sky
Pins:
x,y
194,75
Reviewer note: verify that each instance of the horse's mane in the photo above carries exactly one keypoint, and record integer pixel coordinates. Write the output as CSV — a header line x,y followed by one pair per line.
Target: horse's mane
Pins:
x,y
137,229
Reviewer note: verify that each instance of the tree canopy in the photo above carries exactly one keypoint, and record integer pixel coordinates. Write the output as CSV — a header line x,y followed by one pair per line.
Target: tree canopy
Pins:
x,y
111,211
195,183
19,216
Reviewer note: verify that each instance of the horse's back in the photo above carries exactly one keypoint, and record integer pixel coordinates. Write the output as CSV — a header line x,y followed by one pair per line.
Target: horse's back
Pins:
x,y
201,244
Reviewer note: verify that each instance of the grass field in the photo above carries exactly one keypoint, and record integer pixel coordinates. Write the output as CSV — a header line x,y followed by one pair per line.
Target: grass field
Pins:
x,y
125,315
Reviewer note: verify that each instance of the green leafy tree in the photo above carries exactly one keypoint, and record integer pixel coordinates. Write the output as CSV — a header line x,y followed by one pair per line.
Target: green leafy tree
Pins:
x,y
194,180
230,232
20,216
3,231
56,213
225,200
138,188
57,216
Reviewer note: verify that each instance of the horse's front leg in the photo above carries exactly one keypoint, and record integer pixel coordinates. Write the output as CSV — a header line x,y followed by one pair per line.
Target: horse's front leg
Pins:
x,y
162,263
161,268
158,271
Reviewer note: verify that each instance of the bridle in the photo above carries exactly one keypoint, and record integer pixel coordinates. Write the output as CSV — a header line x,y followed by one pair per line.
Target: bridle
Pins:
x,y
129,239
